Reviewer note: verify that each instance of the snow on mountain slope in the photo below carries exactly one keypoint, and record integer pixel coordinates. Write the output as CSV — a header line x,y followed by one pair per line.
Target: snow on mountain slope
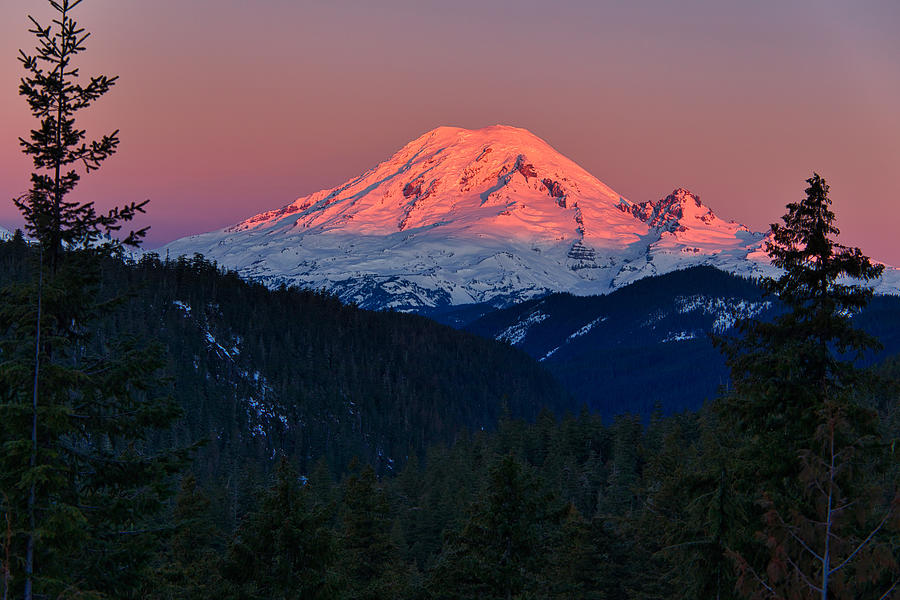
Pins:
x,y
465,216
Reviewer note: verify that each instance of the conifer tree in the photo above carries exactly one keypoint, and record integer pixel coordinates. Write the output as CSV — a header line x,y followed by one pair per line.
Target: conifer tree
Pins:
x,y
370,558
56,92
581,561
692,512
285,549
191,562
619,497
838,543
499,553
807,441
75,410
783,371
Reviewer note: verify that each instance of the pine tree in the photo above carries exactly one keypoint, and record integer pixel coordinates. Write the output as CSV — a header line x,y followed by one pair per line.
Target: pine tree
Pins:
x,y
795,380
582,561
619,496
75,409
838,543
55,92
692,512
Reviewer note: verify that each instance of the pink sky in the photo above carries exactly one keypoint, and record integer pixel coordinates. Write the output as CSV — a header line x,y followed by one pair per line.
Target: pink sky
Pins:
x,y
227,107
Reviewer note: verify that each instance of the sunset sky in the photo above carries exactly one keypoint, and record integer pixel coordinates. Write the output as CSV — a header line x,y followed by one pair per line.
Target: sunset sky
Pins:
x,y
230,107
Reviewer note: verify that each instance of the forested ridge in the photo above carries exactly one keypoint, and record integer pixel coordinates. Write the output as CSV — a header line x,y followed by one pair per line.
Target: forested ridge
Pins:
x,y
259,372
650,342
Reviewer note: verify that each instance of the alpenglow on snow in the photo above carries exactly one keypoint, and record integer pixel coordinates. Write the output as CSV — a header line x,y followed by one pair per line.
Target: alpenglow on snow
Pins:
x,y
463,216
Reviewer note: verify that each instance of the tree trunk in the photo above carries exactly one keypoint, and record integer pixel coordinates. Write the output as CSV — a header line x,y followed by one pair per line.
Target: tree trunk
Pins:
x,y
29,547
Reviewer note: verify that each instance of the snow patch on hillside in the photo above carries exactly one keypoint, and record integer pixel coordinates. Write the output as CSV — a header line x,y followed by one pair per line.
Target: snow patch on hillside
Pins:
x,y
549,354
261,405
586,328
727,311
516,332
262,411
680,336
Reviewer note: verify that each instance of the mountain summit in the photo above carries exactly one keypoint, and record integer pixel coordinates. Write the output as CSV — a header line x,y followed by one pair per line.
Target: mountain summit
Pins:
x,y
462,216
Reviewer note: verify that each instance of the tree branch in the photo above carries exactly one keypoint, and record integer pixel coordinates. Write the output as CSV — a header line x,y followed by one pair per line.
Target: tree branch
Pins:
x,y
890,589
802,575
862,544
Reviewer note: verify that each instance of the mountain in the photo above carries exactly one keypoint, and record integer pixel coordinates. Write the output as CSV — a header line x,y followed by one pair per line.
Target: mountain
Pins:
x,y
471,216
648,344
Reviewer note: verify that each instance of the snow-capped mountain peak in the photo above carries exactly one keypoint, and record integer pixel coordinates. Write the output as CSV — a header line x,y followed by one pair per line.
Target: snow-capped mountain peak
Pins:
x,y
459,216
677,211
449,175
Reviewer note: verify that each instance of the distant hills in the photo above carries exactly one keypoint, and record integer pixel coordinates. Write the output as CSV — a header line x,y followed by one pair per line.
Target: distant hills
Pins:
x,y
649,344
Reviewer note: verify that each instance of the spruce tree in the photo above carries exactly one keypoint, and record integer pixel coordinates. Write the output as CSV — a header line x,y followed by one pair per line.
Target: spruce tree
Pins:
x,y
581,561
75,409
692,513
191,568
56,92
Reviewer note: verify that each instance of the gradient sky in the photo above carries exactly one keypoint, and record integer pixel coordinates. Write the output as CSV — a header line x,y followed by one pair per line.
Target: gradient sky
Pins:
x,y
229,107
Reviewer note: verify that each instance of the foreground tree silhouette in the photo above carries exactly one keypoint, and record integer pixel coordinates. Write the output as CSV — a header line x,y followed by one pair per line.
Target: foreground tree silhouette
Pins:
x,y
810,450
783,370
74,410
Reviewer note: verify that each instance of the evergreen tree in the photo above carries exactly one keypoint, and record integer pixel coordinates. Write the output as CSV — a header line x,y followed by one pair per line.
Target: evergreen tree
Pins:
x,y
501,550
785,370
191,569
584,561
619,496
838,543
794,380
75,409
370,558
285,549
692,511
55,92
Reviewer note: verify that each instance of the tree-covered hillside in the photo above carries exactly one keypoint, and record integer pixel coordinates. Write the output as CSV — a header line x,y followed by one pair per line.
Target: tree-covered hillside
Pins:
x,y
259,372
650,344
